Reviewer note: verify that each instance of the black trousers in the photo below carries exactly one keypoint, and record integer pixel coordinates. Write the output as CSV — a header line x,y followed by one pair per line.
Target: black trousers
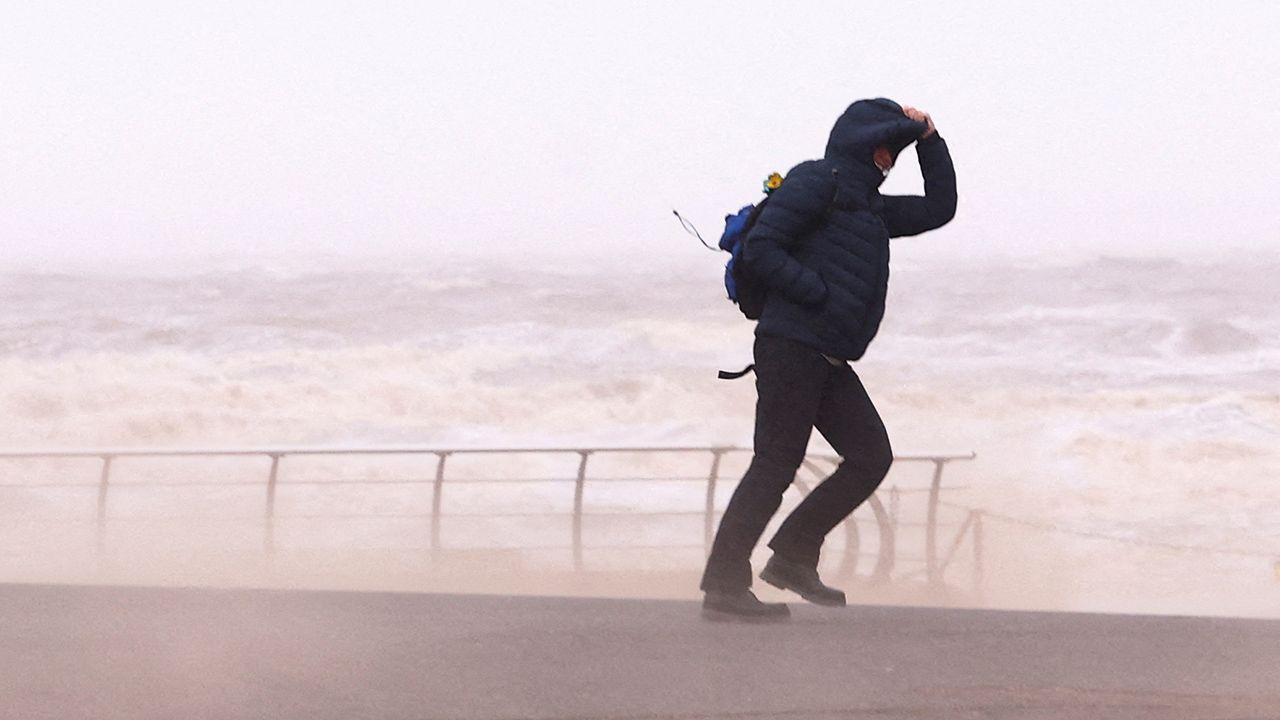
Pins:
x,y
798,389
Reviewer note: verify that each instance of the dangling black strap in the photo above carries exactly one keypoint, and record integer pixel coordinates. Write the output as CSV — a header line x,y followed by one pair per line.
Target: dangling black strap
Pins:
x,y
726,375
689,228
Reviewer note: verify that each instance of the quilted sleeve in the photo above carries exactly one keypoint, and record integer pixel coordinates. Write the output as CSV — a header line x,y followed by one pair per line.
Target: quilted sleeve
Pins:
x,y
914,214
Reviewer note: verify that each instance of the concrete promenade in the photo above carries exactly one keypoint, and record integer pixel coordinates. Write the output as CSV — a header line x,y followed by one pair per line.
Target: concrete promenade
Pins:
x,y
111,652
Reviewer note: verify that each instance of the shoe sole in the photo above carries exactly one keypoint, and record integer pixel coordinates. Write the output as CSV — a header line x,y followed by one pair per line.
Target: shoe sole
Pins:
x,y
780,583
713,615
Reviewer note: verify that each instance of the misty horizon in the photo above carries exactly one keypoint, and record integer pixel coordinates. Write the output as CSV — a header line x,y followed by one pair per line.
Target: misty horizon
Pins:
x,y
171,132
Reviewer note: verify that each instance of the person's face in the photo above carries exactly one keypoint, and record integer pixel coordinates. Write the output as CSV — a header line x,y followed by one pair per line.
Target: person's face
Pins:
x,y
883,159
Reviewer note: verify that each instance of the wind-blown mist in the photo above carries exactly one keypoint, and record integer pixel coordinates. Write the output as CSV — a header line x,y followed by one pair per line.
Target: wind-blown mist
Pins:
x,y
1132,398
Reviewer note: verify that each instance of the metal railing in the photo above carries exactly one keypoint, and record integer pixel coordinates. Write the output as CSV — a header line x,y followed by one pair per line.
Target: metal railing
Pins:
x,y
888,521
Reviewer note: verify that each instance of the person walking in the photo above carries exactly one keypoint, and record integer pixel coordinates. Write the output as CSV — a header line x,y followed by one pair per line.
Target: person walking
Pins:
x,y
821,247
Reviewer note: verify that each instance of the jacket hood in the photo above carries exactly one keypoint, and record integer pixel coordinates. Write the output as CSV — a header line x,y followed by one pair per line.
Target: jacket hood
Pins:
x,y
868,124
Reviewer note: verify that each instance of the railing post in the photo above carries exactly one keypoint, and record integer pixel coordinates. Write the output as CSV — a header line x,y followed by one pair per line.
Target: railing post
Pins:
x,y
956,543
708,525
895,506
978,570
269,519
888,543
848,567
931,527
577,508
104,481
437,499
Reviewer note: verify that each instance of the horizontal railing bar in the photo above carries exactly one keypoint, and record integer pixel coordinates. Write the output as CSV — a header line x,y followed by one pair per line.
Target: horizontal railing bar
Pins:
x,y
30,486
549,514
119,484
612,548
375,516
126,484
912,457
12,522
353,481
370,450
566,548
867,555
256,518
396,450
489,481
399,516
563,548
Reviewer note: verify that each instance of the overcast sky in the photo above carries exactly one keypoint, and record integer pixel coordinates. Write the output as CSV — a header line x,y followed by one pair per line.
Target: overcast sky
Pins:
x,y
570,130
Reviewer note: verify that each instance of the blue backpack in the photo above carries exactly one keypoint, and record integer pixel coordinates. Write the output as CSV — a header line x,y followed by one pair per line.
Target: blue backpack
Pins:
x,y
744,290
747,292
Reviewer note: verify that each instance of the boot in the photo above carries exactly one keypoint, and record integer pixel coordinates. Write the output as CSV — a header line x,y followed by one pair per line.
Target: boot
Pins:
x,y
742,605
801,579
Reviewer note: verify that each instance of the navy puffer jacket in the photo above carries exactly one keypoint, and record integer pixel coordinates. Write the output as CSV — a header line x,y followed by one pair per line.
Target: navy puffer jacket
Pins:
x,y
821,243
